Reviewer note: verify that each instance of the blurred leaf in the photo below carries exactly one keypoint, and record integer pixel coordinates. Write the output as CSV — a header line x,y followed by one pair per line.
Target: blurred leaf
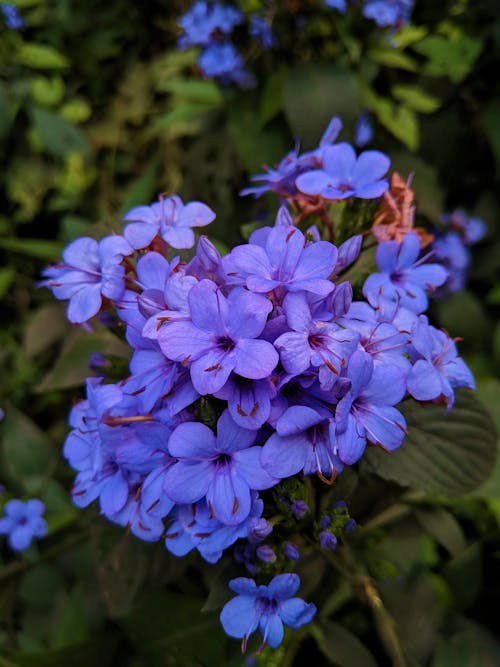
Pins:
x,y
428,195
40,56
255,147
415,98
491,120
271,101
76,110
40,585
488,391
391,57
451,57
39,248
465,568
60,511
71,626
58,136
408,35
203,92
444,528
313,93
26,451
72,367
342,647
46,326
98,652
399,120
47,92
142,190
445,454
6,278
464,315
469,646
173,625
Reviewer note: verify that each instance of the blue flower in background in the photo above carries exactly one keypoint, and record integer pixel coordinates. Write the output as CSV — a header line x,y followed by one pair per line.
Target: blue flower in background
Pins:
x,y
22,522
345,175
363,132
225,63
267,608
12,17
204,20
260,28
339,5
385,13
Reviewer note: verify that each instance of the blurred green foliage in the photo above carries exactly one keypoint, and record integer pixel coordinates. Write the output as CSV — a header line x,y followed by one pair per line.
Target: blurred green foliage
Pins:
x,y
100,112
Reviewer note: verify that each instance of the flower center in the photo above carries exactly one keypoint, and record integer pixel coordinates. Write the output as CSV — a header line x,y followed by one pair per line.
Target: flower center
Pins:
x,y
225,343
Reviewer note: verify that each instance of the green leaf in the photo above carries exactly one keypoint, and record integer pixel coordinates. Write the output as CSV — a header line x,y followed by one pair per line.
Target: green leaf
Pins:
x,y
470,645
71,368
72,625
142,189
40,56
313,93
415,98
271,102
467,567
409,35
400,121
39,248
340,646
451,56
203,92
444,528
488,391
59,136
6,277
393,58
46,326
445,454
39,586
28,455
491,120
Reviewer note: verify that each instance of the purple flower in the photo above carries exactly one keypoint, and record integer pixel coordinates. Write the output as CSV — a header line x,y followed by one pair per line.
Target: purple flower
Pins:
x,y
22,522
283,262
343,175
266,608
312,342
260,28
170,218
303,441
394,13
222,337
403,279
249,401
438,368
89,271
223,468
363,132
225,63
204,20
366,412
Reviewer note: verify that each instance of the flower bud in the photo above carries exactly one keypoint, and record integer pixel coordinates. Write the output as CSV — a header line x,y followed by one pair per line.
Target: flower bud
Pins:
x,y
291,551
327,541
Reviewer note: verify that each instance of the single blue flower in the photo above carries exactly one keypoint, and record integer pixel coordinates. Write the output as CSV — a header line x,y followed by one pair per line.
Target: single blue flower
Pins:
x,y
89,271
403,279
339,5
222,337
285,261
169,218
225,63
385,13
13,19
204,20
437,369
265,607
224,469
363,132
366,412
344,175
260,28
22,522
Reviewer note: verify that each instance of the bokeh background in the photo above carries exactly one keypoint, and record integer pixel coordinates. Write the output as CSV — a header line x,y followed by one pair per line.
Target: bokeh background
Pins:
x,y
100,111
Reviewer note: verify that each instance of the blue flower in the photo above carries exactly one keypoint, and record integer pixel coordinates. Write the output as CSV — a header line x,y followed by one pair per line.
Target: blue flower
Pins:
x,y
403,278
345,175
204,20
170,218
12,17
266,608
223,468
339,5
22,522
393,13
260,28
363,132
89,271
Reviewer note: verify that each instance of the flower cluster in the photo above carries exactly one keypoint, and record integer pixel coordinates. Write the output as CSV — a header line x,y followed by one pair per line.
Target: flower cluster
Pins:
x,y
22,522
385,13
209,25
451,247
247,371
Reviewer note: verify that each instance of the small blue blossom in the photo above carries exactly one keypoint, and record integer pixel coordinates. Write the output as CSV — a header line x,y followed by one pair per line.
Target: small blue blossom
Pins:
x,y
339,5
223,62
388,13
344,175
327,541
22,522
363,132
204,20
12,17
260,28
267,608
